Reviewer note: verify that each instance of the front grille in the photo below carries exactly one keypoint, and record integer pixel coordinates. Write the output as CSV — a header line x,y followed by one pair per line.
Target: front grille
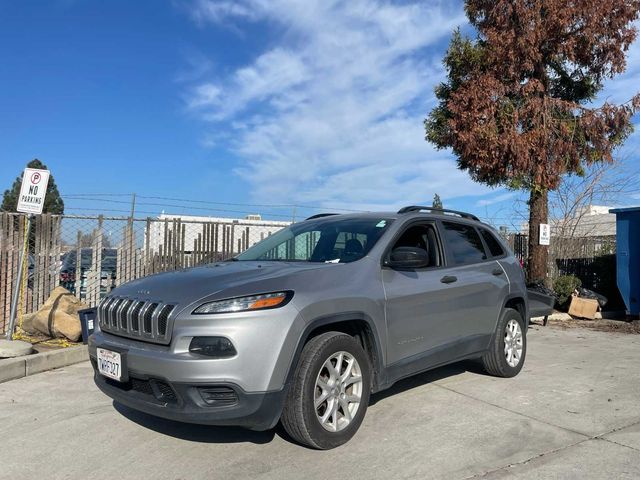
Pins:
x,y
146,321
162,391
142,386
166,392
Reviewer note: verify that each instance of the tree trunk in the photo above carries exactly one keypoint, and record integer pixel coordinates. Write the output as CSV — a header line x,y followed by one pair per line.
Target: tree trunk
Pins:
x,y
538,254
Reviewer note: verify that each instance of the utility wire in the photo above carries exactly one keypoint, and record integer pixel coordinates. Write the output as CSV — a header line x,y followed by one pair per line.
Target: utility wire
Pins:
x,y
187,200
174,206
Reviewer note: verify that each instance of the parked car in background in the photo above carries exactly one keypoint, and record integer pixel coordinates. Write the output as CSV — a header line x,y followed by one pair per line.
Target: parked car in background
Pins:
x,y
68,270
302,327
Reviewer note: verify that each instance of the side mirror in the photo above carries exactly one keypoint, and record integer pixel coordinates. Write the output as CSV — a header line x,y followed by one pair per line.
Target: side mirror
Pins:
x,y
408,257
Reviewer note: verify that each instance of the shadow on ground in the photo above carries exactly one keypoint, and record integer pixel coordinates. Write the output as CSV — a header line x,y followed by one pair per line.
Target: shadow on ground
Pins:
x,y
213,434
428,377
197,433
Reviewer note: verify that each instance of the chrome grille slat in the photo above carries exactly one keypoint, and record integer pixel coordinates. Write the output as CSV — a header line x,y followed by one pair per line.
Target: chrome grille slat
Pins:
x,y
113,313
163,317
134,316
121,317
138,319
148,318
102,308
154,322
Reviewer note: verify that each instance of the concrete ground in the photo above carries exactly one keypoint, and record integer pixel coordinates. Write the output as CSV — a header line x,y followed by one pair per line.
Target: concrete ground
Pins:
x,y
573,412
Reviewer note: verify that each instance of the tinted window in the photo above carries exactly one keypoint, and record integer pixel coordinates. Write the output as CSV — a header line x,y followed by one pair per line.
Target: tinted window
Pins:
x,y
494,246
464,243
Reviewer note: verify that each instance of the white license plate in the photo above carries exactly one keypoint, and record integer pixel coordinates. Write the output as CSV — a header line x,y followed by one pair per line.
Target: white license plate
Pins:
x,y
110,364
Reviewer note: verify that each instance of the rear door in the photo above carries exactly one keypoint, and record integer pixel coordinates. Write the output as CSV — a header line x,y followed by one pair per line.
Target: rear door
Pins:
x,y
478,283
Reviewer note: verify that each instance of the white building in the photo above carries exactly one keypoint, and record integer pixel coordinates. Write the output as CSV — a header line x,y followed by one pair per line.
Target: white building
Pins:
x,y
590,221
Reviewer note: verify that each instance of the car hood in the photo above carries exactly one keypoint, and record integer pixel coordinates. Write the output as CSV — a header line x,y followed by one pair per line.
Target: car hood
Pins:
x,y
188,285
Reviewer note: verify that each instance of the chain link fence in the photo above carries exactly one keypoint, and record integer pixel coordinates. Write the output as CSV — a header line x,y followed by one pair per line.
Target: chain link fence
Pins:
x,y
91,255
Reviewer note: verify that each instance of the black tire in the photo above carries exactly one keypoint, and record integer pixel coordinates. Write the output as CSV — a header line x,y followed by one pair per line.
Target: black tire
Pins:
x,y
299,416
495,361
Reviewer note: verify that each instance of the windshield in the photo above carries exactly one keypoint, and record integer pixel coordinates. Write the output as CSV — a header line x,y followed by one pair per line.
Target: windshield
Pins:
x,y
327,239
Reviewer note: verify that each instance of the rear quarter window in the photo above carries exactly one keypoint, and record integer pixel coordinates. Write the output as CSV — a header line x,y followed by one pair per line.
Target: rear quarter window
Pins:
x,y
463,243
495,248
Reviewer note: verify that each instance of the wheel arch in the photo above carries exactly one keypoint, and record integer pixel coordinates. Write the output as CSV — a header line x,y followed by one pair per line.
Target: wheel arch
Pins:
x,y
356,324
518,303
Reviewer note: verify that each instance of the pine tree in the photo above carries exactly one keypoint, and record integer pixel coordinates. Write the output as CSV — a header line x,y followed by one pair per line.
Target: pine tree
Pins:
x,y
53,203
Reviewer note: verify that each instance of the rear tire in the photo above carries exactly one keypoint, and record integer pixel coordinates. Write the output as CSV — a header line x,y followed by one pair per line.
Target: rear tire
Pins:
x,y
508,348
329,394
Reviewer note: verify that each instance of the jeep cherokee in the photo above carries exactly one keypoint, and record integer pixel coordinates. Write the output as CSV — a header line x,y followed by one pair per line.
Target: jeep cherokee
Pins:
x,y
302,327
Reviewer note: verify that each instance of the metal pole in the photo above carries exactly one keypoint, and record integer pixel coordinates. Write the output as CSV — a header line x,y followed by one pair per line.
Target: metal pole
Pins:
x,y
16,291
133,204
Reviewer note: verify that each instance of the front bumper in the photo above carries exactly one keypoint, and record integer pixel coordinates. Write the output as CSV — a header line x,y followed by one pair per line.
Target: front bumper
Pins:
x,y
171,382
216,403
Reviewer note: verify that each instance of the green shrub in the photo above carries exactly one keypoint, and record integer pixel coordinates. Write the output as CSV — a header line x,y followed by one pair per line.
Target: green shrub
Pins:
x,y
564,287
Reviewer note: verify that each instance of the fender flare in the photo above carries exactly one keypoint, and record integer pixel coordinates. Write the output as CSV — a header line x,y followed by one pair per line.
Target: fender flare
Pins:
x,y
326,320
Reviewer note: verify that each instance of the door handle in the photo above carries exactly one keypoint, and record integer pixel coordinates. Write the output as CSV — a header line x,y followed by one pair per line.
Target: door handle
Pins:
x,y
449,279
497,271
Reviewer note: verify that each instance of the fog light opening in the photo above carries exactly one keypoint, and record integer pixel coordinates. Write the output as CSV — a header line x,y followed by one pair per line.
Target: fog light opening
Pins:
x,y
218,347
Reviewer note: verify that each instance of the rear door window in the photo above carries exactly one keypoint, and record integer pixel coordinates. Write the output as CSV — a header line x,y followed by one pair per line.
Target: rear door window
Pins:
x,y
463,243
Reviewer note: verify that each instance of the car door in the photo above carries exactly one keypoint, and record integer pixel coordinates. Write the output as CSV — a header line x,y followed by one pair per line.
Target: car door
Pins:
x,y
477,282
419,307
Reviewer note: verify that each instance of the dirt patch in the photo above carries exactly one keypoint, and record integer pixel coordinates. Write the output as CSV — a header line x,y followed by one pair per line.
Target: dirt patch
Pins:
x,y
602,325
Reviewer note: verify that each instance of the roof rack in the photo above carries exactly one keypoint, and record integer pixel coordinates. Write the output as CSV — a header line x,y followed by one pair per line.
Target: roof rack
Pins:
x,y
320,215
418,208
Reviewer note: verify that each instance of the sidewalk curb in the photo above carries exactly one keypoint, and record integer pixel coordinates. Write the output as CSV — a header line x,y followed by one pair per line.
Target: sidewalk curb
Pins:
x,y
13,368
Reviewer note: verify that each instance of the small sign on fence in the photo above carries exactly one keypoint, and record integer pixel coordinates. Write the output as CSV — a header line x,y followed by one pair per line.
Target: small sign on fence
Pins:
x,y
545,234
33,190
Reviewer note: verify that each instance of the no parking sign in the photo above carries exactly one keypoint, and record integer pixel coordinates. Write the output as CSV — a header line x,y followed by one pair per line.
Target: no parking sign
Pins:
x,y
33,190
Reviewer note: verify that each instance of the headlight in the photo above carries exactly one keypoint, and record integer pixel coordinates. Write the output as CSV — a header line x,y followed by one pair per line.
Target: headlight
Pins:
x,y
242,304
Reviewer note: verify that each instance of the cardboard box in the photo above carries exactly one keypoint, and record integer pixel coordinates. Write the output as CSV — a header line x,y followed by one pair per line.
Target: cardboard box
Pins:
x,y
583,307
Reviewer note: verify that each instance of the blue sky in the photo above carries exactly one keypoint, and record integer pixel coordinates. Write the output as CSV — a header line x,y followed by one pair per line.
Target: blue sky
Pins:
x,y
244,102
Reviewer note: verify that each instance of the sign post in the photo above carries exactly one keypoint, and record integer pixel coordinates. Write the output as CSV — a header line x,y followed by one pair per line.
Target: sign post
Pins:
x,y
31,202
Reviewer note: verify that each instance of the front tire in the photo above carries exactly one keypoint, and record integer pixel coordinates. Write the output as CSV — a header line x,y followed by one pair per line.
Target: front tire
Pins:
x,y
329,395
508,348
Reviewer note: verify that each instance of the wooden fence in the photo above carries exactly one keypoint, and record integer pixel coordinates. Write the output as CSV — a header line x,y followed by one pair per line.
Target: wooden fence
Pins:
x,y
92,255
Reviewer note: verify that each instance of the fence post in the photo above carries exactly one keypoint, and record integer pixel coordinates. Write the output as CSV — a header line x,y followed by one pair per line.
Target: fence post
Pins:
x,y
16,291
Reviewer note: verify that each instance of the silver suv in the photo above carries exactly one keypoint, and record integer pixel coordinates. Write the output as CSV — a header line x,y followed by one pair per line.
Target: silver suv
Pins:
x,y
305,325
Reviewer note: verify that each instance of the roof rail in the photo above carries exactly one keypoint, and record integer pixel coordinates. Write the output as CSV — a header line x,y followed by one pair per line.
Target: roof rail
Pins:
x,y
320,215
418,208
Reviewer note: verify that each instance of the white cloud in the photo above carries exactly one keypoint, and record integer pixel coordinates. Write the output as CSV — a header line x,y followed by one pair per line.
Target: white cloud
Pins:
x,y
331,112
204,95
497,199
205,11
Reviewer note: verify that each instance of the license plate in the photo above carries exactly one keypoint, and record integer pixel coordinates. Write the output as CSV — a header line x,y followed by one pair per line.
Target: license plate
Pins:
x,y
110,364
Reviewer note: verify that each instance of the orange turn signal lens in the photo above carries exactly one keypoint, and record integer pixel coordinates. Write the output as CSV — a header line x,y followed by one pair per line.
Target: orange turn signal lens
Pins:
x,y
268,301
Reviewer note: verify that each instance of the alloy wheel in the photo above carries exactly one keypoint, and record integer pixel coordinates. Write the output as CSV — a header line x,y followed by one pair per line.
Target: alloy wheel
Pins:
x,y
338,391
513,343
